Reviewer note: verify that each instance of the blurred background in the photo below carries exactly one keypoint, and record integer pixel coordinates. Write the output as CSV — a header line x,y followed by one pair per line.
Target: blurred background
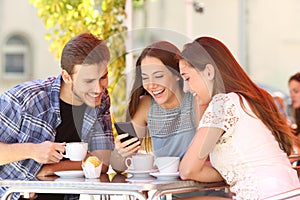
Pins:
x,y
264,36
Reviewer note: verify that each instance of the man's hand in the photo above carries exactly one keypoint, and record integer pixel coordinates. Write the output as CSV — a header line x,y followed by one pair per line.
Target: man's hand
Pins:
x,y
45,152
48,152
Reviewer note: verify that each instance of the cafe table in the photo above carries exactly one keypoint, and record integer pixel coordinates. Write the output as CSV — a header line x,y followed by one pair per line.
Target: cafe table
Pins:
x,y
116,184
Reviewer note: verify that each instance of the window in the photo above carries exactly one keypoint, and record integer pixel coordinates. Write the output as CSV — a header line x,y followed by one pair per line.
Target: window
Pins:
x,y
16,58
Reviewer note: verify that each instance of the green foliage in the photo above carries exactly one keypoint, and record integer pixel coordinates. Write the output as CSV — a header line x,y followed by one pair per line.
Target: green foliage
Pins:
x,y
138,3
105,18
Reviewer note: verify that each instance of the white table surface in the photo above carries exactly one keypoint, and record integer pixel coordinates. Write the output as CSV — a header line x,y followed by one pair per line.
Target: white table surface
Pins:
x,y
105,185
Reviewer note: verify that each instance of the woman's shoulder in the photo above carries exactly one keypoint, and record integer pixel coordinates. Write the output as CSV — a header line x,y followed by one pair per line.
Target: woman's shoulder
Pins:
x,y
145,100
222,112
228,104
224,97
144,104
231,95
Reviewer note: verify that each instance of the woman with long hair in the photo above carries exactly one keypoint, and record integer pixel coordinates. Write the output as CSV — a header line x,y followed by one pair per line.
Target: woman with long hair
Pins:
x,y
159,108
242,131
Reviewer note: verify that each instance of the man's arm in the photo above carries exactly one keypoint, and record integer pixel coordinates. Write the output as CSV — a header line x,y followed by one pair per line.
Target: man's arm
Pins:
x,y
45,152
49,169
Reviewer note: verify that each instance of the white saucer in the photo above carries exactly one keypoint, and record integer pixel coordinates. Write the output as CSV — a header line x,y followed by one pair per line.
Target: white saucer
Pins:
x,y
140,173
165,176
70,173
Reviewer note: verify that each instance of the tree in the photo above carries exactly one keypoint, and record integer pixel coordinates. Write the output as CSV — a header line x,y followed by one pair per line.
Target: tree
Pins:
x,y
105,18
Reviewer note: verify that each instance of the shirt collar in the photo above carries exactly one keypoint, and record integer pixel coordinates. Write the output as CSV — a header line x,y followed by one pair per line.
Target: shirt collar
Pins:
x,y
55,94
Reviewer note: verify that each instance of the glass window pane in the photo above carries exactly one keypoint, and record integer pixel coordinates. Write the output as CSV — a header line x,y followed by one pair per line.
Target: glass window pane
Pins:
x,y
14,63
15,40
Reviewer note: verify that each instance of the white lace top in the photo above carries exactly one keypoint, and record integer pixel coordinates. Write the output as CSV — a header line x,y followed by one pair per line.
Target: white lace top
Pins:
x,y
247,155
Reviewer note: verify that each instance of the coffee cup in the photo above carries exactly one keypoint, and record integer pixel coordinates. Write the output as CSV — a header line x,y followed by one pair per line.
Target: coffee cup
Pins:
x,y
76,151
140,162
167,164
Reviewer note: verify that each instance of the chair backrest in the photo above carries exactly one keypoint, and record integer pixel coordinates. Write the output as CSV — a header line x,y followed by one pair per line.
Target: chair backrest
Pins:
x,y
285,195
297,168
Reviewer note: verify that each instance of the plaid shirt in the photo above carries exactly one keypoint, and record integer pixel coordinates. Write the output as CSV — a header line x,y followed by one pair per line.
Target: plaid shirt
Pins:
x,y
29,113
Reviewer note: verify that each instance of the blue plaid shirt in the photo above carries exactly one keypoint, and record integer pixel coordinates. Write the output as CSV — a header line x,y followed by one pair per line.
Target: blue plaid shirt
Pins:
x,y
29,113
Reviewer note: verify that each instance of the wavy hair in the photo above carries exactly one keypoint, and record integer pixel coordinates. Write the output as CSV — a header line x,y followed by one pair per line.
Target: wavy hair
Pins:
x,y
84,48
167,53
164,51
230,77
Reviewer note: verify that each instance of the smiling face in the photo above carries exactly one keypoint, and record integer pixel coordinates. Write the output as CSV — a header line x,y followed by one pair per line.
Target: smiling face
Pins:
x,y
160,82
294,88
196,82
86,84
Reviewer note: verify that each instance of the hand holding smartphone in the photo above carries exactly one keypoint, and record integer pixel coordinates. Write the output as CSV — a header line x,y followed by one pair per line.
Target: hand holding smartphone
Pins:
x,y
125,127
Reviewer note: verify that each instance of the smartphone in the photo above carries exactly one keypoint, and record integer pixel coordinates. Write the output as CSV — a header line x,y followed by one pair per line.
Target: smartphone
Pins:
x,y
125,127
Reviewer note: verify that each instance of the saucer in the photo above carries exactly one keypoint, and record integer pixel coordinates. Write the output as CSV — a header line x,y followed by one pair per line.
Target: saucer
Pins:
x,y
140,173
70,174
165,176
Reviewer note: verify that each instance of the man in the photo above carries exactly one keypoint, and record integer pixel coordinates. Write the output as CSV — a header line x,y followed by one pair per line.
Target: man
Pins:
x,y
38,118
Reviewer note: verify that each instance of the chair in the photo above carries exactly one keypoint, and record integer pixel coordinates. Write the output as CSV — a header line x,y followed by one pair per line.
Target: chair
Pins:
x,y
294,159
285,195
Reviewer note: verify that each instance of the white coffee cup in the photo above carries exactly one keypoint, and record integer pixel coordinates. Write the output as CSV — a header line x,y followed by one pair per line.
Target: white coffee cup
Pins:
x,y
140,162
167,164
76,151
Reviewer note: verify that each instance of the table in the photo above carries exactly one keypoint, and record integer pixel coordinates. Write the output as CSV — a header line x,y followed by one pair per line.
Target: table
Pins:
x,y
105,186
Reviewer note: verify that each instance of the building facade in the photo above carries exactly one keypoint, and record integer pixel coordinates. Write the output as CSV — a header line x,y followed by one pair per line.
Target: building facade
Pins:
x,y
24,51
264,35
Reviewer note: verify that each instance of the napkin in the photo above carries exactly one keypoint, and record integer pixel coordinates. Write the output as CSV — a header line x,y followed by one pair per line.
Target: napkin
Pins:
x,y
90,171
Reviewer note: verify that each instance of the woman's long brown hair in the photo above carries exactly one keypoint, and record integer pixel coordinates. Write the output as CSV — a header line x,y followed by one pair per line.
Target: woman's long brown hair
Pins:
x,y
167,53
164,51
230,77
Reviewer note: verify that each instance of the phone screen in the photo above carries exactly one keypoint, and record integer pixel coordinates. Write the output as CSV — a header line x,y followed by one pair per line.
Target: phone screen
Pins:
x,y
125,127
